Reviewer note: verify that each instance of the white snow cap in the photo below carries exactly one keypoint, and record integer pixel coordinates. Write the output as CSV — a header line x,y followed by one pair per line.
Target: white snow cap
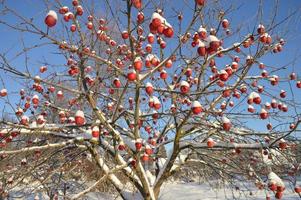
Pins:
x,y
150,35
132,71
139,140
184,83
260,26
41,117
267,104
196,104
3,91
202,29
226,120
274,101
210,140
253,95
24,117
148,84
212,38
223,72
95,128
263,110
137,59
249,57
273,178
80,113
60,92
35,96
251,107
156,100
225,20
201,44
157,16
52,13
149,57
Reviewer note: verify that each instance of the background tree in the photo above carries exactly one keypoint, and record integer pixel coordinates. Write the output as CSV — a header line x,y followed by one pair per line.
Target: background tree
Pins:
x,y
134,91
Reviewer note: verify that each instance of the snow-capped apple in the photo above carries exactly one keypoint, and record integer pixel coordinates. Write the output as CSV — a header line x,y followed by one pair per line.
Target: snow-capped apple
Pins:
x,y
117,83
125,35
24,120
121,146
282,144
3,92
282,94
51,18
202,33
225,23
251,109
223,75
138,144
140,17
163,74
43,69
132,75
196,107
184,87
41,119
210,143
95,131
148,150
260,29
145,157
201,49
35,99
157,104
149,88
264,114
138,64
226,123
168,32
80,118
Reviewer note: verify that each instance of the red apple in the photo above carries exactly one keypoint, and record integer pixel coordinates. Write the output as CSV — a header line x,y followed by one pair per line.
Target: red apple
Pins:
x,y
51,18
210,143
184,87
196,107
80,118
149,88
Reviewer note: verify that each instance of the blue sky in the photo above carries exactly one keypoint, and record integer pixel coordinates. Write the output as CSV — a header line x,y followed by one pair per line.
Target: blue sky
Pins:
x,y
245,16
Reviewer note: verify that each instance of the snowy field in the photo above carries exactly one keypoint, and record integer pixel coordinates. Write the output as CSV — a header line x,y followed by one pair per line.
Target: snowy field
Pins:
x,y
195,191
191,191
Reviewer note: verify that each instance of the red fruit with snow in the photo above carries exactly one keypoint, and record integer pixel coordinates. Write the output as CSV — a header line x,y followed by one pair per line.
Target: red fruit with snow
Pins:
x,y
225,23
149,88
80,118
210,143
196,107
138,144
264,114
226,124
223,75
95,132
35,99
138,64
117,83
132,75
51,18
184,87
201,49
3,93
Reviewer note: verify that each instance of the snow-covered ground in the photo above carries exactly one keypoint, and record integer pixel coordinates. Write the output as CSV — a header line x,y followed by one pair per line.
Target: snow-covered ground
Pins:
x,y
195,191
